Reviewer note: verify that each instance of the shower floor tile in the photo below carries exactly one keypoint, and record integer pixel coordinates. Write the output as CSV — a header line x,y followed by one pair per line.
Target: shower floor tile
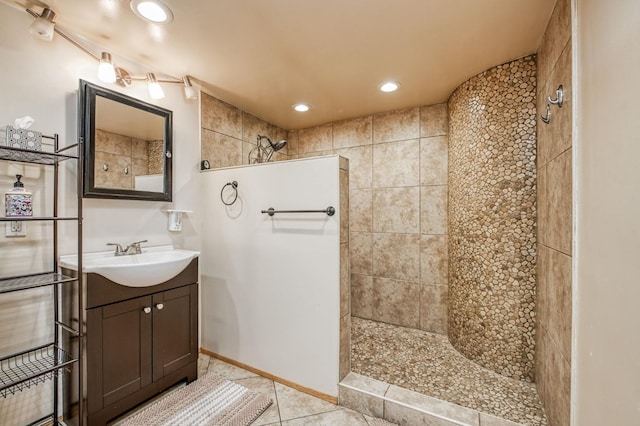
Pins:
x,y
427,363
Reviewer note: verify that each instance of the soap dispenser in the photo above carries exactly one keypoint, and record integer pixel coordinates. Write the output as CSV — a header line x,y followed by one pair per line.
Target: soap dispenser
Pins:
x,y
18,201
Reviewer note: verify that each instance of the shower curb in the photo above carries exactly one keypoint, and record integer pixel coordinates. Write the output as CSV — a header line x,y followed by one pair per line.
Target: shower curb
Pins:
x,y
404,407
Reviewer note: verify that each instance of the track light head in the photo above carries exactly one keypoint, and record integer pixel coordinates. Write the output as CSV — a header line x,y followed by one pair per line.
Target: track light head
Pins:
x,y
106,71
189,91
43,27
155,90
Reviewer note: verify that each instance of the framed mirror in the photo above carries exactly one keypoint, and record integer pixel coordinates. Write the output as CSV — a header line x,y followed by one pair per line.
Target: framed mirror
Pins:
x,y
128,146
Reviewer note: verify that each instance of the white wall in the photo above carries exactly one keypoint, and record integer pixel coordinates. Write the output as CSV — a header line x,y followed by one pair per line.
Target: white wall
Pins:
x,y
606,350
271,285
40,79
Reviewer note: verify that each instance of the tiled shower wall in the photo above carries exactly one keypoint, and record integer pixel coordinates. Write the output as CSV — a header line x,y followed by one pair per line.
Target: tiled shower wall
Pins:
x,y
553,336
125,156
397,211
397,200
229,134
492,217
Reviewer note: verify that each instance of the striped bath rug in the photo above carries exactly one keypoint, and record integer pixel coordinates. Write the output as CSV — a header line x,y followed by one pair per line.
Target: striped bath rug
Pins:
x,y
210,400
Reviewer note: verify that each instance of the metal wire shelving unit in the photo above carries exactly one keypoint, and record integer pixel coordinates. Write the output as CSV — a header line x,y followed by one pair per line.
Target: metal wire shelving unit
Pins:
x,y
48,362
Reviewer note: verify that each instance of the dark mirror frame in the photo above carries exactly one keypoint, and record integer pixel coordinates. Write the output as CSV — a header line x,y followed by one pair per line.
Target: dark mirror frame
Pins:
x,y
87,118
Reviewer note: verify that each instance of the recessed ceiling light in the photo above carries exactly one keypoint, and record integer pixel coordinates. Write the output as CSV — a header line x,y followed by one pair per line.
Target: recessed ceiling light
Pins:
x,y
152,10
390,86
301,107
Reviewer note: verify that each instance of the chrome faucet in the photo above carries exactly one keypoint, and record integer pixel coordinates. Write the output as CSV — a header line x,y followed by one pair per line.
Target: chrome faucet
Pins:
x,y
133,248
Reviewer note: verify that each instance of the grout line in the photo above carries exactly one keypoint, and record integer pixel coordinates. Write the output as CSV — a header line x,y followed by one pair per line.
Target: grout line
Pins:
x,y
275,392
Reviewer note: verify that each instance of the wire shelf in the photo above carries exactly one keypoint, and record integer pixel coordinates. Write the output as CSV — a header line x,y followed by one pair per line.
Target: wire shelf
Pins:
x,y
34,218
26,369
8,285
31,156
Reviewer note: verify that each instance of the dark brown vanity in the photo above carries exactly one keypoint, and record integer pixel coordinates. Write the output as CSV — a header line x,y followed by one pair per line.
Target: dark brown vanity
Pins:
x,y
140,341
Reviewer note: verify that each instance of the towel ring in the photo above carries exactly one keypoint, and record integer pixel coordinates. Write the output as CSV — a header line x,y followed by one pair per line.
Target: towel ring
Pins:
x,y
234,186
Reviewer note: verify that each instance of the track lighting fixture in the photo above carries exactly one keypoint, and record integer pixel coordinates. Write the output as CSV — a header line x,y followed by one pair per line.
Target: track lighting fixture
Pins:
x,y
189,91
106,71
43,27
155,91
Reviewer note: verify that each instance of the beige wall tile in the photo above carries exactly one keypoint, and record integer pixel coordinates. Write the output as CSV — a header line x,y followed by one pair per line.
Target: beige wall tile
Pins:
x,y
115,176
433,308
315,139
139,167
343,163
555,38
434,160
221,150
344,366
554,297
246,150
558,188
221,117
360,165
354,132
396,210
292,142
139,148
543,204
345,279
396,125
113,143
434,265
253,126
277,156
555,137
315,154
434,120
433,217
396,256
555,372
562,120
344,206
396,302
543,266
361,249
360,210
396,164
362,296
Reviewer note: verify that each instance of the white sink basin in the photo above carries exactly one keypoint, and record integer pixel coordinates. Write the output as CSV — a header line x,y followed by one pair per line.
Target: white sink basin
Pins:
x,y
153,266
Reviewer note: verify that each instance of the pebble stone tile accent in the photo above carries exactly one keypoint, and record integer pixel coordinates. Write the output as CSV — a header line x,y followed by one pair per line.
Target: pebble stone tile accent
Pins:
x,y
427,363
492,218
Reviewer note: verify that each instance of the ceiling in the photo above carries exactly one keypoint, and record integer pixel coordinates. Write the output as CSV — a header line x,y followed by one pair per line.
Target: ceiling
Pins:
x,y
266,55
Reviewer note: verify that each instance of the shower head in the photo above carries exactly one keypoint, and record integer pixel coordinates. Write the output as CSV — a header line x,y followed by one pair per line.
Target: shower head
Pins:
x,y
278,145
262,153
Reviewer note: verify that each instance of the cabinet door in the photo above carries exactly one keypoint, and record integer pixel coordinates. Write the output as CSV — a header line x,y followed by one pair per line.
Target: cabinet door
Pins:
x,y
175,329
119,351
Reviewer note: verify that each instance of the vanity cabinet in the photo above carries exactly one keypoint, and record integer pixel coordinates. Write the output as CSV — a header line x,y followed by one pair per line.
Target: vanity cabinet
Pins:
x,y
140,341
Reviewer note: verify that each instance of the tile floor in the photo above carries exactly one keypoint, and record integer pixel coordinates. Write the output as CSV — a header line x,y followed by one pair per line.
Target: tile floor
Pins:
x,y
290,406
427,363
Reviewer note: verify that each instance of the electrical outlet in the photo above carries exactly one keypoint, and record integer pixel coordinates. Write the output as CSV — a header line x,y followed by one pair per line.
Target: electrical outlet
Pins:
x,y
15,229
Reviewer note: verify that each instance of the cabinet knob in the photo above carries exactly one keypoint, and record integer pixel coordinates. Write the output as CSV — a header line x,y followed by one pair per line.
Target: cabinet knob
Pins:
x,y
159,306
147,310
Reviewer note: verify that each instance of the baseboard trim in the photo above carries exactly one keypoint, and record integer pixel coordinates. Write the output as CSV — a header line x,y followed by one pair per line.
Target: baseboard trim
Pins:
x,y
312,392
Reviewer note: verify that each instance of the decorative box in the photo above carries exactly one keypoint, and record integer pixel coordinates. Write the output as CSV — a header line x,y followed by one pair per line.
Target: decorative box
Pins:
x,y
21,138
